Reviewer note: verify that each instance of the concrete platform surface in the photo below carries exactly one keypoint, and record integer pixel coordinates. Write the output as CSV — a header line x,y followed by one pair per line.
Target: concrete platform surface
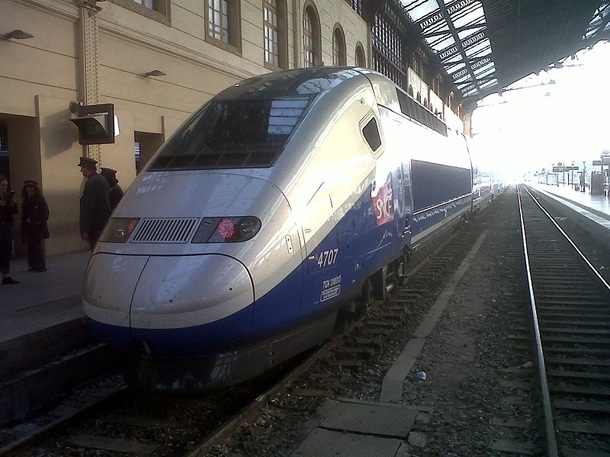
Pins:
x,y
42,300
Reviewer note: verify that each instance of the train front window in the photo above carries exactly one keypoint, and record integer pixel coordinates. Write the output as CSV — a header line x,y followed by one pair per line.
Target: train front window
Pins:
x,y
233,134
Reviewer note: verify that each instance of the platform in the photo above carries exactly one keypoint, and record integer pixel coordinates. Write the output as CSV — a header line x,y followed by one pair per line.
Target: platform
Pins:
x,y
594,203
42,316
42,300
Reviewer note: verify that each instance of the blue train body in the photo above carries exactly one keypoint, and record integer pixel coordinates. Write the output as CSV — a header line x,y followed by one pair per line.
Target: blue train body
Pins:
x,y
282,200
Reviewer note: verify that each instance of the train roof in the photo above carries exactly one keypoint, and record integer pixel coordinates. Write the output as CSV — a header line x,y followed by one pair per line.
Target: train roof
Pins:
x,y
248,124
301,82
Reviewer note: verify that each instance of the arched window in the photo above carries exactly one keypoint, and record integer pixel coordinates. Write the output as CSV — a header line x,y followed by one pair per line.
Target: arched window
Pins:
x,y
223,18
339,56
311,37
418,98
410,90
275,33
360,59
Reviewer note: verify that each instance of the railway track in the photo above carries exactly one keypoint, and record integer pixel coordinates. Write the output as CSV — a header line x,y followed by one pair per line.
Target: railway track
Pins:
x,y
570,304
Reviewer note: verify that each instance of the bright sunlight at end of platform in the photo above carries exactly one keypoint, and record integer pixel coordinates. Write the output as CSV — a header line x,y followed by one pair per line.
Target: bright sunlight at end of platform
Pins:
x,y
558,115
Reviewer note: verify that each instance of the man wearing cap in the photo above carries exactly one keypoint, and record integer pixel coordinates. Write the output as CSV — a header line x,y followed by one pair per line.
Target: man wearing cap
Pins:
x,y
94,203
116,193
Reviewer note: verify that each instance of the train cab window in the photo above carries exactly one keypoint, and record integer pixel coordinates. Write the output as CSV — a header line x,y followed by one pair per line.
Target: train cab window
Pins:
x,y
371,134
233,134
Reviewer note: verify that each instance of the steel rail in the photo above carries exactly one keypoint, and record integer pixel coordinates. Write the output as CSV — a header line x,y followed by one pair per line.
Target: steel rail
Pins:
x,y
549,426
569,240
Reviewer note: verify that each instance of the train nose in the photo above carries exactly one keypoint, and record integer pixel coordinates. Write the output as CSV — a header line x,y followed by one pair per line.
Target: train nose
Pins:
x,y
159,293
175,292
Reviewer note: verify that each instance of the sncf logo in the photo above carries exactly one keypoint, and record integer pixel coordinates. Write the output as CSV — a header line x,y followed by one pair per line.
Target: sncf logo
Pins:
x,y
383,203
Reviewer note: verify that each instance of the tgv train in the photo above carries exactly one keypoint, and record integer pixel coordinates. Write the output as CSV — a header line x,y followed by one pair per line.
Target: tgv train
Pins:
x,y
285,198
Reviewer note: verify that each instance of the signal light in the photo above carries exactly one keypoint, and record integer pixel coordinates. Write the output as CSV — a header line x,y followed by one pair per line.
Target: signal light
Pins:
x,y
226,228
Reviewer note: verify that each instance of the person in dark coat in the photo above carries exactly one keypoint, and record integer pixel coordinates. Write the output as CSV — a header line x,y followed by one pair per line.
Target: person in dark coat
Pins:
x,y
94,203
34,227
116,193
8,208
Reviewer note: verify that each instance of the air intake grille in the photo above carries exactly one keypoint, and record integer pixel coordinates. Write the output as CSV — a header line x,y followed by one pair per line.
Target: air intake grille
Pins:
x,y
164,231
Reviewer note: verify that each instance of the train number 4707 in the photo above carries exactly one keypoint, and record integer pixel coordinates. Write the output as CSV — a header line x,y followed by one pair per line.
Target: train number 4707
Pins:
x,y
327,258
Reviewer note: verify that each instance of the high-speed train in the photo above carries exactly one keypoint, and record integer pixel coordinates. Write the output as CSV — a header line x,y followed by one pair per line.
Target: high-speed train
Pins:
x,y
283,199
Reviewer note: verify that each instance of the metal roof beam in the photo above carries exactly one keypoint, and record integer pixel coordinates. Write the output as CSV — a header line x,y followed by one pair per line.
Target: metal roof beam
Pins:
x,y
459,29
459,47
506,39
446,13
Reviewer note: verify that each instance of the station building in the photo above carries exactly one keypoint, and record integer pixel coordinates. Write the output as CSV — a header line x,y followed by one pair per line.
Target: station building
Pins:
x,y
156,61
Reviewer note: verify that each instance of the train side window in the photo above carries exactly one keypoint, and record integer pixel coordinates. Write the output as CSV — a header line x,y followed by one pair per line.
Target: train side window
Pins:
x,y
371,134
415,111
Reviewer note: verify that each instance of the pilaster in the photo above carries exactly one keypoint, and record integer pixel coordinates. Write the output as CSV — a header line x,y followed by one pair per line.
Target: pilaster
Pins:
x,y
90,65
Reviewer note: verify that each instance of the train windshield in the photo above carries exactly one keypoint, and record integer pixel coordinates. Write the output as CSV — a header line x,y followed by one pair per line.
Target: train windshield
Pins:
x,y
233,134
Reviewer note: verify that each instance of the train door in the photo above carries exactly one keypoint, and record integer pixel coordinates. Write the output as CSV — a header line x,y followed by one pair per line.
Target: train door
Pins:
x,y
321,250
408,203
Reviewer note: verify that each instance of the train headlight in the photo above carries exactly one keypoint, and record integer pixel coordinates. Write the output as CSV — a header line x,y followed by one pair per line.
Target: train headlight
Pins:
x,y
119,229
226,229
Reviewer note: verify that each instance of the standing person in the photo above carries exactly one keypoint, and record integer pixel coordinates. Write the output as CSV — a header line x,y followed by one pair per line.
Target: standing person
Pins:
x,y
116,193
34,227
94,203
8,208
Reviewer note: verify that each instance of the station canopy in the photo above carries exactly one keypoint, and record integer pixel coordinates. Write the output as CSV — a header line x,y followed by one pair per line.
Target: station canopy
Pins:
x,y
486,45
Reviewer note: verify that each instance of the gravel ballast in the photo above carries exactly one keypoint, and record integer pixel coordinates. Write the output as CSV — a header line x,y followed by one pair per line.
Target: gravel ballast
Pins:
x,y
465,360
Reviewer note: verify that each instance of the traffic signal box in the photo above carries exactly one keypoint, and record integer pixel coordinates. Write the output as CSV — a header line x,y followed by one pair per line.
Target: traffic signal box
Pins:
x,y
95,124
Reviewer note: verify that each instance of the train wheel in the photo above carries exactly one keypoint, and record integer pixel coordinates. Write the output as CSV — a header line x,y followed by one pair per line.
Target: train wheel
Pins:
x,y
363,302
366,297
356,307
402,270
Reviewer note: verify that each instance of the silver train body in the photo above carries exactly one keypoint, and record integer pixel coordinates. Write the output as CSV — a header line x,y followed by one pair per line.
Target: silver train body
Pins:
x,y
284,198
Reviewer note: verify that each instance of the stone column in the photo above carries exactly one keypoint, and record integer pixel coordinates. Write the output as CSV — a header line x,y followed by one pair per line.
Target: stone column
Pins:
x,y
467,119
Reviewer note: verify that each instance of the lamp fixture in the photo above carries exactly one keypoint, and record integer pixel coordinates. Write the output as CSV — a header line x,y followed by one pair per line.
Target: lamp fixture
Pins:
x,y
154,73
17,35
75,107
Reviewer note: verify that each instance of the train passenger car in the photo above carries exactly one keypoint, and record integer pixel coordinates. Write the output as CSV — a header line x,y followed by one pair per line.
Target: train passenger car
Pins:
x,y
484,189
281,200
